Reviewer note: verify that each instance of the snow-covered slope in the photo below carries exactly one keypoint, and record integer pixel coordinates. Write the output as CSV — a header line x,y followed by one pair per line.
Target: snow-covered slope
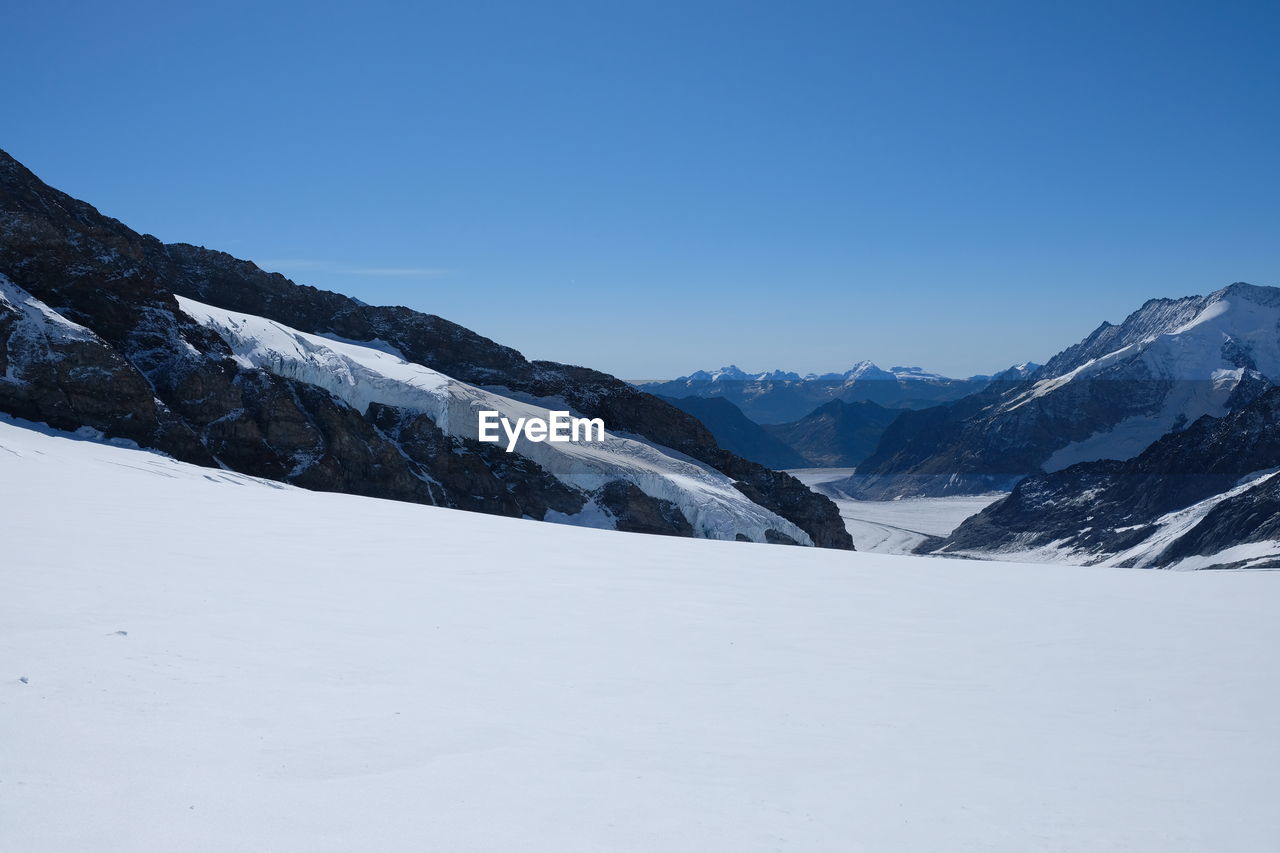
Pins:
x,y
365,373
1161,533
1203,348
1189,501
200,661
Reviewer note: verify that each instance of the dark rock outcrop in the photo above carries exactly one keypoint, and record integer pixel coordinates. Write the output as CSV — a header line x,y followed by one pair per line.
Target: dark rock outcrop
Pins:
x,y
68,377
145,371
636,512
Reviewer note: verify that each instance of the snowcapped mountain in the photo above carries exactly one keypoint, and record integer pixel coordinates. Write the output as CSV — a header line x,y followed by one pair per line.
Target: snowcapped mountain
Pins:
x,y
780,396
204,661
1108,397
213,361
865,370
733,373
1204,497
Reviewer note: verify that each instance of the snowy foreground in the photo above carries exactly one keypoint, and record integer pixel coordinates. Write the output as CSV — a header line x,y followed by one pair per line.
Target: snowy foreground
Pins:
x,y
213,663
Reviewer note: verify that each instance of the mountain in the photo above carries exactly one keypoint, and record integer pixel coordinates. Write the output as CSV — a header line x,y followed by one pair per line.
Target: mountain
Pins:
x,y
779,396
198,660
1108,397
213,361
1207,496
836,434
739,434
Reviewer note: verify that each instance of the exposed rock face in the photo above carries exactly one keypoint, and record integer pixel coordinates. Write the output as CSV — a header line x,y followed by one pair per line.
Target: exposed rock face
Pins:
x,y
1121,510
59,372
636,512
91,335
1107,397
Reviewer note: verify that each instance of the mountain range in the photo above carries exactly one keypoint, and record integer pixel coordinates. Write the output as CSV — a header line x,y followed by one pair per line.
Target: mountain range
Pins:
x,y
842,425
780,396
1108,397
1152,443
1149,443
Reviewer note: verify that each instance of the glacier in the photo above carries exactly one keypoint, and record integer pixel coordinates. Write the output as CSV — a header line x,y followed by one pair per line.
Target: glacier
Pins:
x,y
364,373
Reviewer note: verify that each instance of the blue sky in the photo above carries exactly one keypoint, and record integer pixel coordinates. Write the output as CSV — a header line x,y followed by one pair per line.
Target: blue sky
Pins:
x,y
651,188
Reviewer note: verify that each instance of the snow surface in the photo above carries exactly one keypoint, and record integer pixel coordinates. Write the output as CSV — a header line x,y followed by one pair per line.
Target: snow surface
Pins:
x,y
200,661
892,527
373,372
899,527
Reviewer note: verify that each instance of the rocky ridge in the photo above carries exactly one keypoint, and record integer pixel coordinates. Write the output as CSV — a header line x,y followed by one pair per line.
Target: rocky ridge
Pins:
x,y
91,336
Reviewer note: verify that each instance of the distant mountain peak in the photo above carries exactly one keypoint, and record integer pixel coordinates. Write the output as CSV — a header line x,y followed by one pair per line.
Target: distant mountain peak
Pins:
x,y
862,370
783,396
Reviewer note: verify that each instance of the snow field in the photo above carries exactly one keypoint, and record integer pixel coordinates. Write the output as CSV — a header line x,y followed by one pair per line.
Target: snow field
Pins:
x,y
319,672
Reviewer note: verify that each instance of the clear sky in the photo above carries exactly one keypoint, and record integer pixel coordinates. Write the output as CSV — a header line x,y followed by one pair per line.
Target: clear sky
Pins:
x,y
651,188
